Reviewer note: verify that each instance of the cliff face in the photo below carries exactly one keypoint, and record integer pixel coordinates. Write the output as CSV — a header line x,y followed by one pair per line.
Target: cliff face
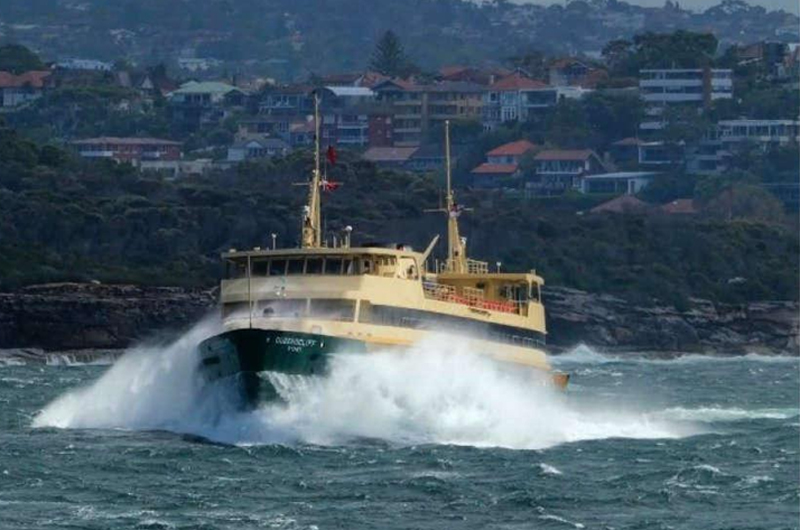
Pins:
x,y
82,316
79,316
613,323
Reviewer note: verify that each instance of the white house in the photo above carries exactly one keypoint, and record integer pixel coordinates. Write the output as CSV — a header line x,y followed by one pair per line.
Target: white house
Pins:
x,y
627,182
254,148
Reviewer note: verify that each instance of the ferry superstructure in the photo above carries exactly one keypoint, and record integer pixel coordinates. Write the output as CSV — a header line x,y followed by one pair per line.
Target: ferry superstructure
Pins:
x,y
288,310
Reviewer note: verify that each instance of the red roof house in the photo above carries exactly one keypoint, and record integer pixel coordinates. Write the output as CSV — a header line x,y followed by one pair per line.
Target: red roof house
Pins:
x,y
501,163
18,89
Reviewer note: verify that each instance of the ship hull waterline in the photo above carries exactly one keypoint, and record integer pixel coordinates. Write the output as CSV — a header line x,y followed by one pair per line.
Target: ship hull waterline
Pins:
x,y
240,356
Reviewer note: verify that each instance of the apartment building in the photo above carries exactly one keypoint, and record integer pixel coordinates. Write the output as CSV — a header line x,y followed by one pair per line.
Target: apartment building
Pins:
x,y
675,86
419,108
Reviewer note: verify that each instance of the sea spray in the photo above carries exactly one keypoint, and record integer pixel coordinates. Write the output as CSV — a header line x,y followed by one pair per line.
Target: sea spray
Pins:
x,y
150,387
437,392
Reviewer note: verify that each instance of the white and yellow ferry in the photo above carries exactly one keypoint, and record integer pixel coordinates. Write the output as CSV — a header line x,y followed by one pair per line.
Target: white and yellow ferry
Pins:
x,y
288,310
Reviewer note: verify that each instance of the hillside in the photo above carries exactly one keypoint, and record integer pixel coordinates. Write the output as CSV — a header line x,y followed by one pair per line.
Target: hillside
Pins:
x,y
63,219
290,39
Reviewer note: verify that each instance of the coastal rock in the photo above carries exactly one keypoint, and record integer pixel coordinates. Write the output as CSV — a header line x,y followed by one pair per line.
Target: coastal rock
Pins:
x,y
77,316
71,316
577,317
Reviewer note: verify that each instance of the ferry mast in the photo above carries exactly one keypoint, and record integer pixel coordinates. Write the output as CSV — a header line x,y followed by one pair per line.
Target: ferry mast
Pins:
x,y
456,246
312,226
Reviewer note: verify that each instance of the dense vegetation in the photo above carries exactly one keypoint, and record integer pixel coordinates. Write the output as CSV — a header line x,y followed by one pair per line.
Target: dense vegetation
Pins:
x,y
64,219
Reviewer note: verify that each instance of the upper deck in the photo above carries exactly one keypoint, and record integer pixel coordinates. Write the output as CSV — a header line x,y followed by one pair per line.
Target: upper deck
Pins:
x,y
297,281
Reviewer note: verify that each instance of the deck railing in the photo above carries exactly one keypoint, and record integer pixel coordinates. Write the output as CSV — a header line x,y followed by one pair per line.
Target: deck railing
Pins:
x,y
469,296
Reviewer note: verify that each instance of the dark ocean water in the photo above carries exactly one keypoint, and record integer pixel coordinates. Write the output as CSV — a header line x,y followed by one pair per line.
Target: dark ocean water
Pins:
x,y
432,439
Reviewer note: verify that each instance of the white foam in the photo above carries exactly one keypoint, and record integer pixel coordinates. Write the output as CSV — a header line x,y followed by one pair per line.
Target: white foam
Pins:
x,y
583,354
549,517
719,414
437,392
149,387
549,470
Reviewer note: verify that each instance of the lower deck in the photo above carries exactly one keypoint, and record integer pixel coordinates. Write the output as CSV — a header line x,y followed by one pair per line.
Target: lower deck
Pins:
x,y
248,357
382,336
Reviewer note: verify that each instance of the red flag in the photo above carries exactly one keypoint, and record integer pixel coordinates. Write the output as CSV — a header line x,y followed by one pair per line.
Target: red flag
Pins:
x,y
329,185
331,155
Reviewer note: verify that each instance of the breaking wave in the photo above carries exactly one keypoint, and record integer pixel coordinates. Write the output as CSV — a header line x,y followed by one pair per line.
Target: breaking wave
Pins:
x,y
436,393
583,354
717,414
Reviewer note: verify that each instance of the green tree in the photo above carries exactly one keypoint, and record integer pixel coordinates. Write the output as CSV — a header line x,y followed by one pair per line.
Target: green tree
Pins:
x,y
681,49
617,53
613,117
534,63
711,186
743,201
389,57
18,59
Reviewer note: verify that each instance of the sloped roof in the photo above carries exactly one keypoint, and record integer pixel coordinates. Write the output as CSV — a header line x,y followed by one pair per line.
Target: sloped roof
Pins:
x,y
520,147
622,175
566,154
447,71
495,169
567,62
451,86
517,81
204,87
628,141
622,204
302,126
370,79
33,78
350,91
266,143
399,83
388,154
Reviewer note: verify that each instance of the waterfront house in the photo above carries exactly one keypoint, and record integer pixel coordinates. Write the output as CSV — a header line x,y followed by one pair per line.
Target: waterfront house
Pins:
x,y
517,98
256,148
558,171
502,165
623,182
132,150
16,90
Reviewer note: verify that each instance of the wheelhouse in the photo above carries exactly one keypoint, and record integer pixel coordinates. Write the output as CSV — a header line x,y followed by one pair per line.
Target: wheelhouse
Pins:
x,y
388,263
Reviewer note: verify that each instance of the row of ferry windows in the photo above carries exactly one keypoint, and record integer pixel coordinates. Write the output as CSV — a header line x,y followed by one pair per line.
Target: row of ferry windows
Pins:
x,y
335,266
344,311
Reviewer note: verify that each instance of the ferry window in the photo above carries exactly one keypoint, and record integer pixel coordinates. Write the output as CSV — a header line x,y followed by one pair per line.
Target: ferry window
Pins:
x,y
295,266
236,269
314,266
349,267
284,308
260,267
534,292
333,309
277,267
366,266
235,308
333,266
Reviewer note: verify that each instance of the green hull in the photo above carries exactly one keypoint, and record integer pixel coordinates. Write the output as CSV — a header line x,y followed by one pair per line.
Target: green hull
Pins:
x,y
239,356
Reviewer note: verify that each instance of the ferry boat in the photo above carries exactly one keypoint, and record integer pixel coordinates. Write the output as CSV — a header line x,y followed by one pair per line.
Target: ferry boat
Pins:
x,y
290,310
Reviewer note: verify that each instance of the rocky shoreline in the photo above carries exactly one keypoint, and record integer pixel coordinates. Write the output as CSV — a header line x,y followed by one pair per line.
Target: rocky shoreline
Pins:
x,y
69,316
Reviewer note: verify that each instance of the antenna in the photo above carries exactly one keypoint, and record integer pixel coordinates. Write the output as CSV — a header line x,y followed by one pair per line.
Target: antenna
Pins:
x,y
311,232
456,245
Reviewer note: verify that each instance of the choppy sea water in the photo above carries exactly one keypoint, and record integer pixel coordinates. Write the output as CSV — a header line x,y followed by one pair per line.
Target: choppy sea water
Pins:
x,y
435,438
